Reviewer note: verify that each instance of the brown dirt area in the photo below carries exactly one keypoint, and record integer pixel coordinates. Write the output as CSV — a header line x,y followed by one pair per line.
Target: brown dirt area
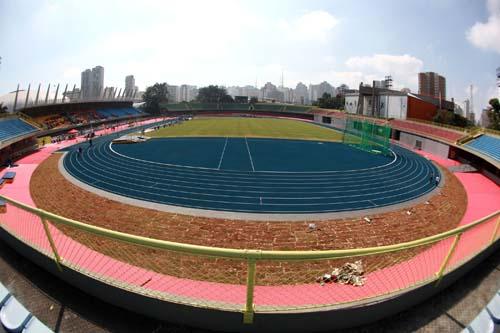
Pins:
x,y
52,192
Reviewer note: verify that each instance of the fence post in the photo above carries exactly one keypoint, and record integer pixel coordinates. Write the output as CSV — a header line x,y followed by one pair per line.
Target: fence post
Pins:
x,y
52,244
248,314
440,273
494,236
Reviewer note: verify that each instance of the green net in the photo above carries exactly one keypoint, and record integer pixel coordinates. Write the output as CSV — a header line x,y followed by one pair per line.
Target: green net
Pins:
x,y
367,135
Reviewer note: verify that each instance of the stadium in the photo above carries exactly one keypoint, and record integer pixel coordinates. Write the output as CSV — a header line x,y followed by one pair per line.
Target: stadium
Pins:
x,y
247,216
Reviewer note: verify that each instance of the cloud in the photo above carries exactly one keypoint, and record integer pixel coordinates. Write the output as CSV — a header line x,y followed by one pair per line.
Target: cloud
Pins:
x,y
403,68
486,35
312,26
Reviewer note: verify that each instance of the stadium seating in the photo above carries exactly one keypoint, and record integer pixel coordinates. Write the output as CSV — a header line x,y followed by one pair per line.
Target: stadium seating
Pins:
x,y
118,112
297,108
433,131
486,144
235,106
204,106
481,324
14,315
35,326
269,107
176,106
11,128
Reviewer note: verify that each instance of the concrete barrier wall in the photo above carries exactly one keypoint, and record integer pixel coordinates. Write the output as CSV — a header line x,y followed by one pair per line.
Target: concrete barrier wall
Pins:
x,y
428,145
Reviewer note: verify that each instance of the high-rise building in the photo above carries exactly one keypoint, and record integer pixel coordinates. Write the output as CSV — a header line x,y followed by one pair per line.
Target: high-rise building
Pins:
x,y
173,94
432,84
342,89
271,92
187,93
301,94
129,85
92,82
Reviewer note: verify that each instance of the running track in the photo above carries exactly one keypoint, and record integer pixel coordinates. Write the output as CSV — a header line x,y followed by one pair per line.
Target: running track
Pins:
x,y
253,175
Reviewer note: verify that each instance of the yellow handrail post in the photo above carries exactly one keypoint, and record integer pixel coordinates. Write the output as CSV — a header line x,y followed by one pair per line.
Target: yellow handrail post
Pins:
x,y
494,236
440,273
248,314
52,244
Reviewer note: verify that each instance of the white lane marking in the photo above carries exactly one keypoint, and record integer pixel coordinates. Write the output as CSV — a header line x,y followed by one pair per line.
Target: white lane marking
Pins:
x,y
222,155
249,154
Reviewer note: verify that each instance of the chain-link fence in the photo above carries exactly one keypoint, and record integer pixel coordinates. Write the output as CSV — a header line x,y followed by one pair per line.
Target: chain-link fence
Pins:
x,y
247,281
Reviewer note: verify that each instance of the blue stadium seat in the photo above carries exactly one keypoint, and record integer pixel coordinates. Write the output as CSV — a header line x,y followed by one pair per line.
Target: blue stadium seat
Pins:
x,y
118,112
11,128
481,324
493,308
14,315
486,144
36,326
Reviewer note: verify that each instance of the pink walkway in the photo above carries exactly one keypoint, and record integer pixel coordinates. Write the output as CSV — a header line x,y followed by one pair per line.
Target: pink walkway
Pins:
x,y
483,199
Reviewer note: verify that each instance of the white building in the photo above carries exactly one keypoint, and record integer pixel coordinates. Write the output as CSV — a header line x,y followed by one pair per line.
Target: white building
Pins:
x,y
187,93
173,94
129,86
317,90
301,94
388,104
92,82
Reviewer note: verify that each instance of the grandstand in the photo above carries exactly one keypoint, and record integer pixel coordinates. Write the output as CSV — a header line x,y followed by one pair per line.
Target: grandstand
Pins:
x,y
14,127
486,144
441,133
268,107
107,113
235,107
296,108
176,106
204,106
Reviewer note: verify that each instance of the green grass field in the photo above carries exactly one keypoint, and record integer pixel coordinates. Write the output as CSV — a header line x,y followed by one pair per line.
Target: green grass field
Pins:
x,y
248,127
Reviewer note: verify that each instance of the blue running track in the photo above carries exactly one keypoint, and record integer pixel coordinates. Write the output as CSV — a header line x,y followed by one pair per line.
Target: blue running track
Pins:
x,y
252,175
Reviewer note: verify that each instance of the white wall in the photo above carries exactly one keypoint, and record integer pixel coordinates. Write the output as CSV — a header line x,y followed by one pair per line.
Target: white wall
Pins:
x,y
393,106
428,145
351,104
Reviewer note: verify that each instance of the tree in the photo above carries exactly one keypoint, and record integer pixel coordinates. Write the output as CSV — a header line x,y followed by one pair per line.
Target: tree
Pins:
x,y
3,108
155,95
450,118
254,100
213,94
328,102
494,114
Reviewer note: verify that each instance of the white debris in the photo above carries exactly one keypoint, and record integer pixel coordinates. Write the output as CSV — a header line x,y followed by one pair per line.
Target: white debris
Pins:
x,y
349,273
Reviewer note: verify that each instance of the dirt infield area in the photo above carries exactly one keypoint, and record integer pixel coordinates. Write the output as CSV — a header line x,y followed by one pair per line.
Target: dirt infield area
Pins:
x,y
52,192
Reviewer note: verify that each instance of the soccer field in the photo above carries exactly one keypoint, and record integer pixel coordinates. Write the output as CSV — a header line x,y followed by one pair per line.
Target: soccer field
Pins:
x,y
249,127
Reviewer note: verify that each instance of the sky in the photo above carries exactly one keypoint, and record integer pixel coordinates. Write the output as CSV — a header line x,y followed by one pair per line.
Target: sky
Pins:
x,y
248,42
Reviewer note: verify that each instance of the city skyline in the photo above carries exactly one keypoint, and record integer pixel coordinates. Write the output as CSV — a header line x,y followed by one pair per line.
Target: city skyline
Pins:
x,y
257,45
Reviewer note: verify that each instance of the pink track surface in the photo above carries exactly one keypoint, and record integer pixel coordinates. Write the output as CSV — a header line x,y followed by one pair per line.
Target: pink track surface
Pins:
x,y
483,199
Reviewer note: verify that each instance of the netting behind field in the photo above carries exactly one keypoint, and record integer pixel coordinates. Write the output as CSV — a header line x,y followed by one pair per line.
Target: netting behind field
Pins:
x,y
367,136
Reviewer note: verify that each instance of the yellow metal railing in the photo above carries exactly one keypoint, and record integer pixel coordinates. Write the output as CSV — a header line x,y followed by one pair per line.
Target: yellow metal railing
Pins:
x,y
251,256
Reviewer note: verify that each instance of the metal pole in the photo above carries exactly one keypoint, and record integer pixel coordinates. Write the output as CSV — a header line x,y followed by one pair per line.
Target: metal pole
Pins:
x,y
27,96
494,236
47,95
15,100
52,244
440,273
37,93
64,94
57,91
249,310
